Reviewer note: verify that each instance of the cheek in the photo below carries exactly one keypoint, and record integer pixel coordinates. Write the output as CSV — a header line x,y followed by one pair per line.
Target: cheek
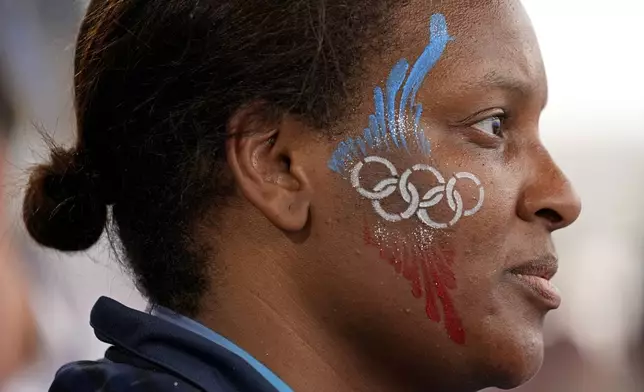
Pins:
x,y
415,220
428,269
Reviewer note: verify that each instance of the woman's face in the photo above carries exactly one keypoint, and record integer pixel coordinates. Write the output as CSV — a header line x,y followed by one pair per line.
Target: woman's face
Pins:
x,y
434,217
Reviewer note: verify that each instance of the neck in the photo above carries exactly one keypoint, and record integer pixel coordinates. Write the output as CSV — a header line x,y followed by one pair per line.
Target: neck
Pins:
x,y
261,312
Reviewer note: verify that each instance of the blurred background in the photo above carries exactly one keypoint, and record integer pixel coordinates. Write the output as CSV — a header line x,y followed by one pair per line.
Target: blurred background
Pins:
x,y
593,126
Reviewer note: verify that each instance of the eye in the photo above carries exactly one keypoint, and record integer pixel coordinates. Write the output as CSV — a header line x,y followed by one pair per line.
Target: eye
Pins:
x,y
491,125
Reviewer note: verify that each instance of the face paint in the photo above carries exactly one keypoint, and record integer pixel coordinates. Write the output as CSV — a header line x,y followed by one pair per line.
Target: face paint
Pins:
x,y
429,272
409,192
387,129
427,268
387,124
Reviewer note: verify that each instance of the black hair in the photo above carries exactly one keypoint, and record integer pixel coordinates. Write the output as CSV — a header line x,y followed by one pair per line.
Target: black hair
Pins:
x,y
155,83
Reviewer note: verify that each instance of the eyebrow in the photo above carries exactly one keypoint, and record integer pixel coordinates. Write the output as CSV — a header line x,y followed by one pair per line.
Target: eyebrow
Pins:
x,y
518,86
495,80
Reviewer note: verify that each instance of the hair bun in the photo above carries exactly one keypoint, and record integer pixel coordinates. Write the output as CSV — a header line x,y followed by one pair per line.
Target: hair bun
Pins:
x,y
61,208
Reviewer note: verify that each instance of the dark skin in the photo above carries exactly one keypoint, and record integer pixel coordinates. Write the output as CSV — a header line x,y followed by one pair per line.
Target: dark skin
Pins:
x,y
309,298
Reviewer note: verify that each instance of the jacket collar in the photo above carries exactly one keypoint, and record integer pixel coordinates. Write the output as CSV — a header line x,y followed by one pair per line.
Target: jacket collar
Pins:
x,y
177,350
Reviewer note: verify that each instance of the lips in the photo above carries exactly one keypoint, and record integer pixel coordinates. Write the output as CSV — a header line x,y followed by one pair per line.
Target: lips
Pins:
x,y
534,277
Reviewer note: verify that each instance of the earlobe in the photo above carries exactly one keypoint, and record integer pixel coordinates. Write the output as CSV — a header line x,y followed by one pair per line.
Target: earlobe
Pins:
x,y
261,158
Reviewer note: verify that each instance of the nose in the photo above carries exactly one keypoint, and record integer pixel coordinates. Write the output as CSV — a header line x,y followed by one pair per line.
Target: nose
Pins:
x,y
547,196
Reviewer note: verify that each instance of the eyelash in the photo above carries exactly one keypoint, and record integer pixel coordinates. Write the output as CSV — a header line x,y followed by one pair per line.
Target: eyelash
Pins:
x,y
502,117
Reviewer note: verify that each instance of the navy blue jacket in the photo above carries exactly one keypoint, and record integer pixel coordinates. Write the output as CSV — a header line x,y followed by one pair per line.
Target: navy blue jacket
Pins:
x,y
151,354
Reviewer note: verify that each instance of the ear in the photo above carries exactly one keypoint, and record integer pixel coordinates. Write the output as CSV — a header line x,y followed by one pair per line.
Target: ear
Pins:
x,y
264,158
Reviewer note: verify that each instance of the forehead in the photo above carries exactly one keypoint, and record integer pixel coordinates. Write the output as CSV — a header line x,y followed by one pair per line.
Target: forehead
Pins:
x,y
494,47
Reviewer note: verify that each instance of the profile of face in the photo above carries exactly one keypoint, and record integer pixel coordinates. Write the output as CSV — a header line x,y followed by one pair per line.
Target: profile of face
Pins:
x,y
356,196
429,219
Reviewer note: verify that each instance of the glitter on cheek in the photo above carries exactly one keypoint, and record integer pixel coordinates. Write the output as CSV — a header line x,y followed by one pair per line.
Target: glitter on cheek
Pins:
x,y
428,269
423,238
395,106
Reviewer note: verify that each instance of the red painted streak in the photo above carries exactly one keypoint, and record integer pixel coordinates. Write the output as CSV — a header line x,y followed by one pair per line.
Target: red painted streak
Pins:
x,y
429,273
453,324
430,296
395,259
442,264
412,274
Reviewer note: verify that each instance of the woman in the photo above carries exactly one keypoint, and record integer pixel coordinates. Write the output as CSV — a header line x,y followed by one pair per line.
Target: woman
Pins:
x,y
314,196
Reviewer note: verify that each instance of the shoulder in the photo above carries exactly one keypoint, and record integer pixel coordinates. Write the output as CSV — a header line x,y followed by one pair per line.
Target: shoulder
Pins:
x,y
106,376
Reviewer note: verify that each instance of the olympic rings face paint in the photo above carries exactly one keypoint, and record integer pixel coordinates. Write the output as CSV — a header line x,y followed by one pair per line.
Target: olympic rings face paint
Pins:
x,y
416,205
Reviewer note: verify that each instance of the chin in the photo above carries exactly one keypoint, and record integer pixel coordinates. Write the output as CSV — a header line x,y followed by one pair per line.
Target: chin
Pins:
x,y
514,359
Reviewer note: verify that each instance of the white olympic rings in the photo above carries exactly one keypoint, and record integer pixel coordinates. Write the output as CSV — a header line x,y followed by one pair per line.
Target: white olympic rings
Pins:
x,y
416,205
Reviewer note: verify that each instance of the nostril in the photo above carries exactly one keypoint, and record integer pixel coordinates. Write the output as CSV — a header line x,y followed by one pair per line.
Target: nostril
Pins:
x,y
550,215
